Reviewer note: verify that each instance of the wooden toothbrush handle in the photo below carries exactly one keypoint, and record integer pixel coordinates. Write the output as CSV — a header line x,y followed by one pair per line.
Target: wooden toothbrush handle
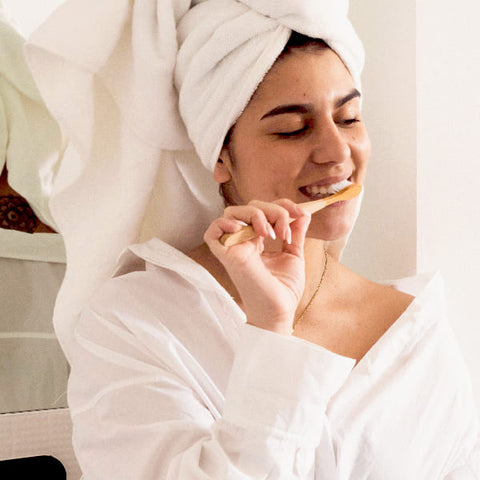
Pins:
x,y
247,233
243,235
347,193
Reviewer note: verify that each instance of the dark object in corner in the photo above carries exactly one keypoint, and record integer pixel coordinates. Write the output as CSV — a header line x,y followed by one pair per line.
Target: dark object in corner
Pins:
x,y
41,467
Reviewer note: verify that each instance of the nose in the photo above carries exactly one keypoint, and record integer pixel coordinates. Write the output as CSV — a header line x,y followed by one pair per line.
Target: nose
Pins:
x,y
329,144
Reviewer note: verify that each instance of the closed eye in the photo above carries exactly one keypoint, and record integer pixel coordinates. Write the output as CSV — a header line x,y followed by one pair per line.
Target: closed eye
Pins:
x,y
350,121
292,133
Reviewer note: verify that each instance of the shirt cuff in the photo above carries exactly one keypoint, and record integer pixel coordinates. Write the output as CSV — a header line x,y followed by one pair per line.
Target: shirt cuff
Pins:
x,y
282,382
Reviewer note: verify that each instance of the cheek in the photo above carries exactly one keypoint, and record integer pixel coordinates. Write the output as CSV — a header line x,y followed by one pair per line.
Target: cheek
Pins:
x,y
266,181
361,150
266,163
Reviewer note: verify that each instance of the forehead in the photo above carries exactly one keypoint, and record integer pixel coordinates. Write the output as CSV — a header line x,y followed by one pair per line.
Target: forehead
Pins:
x,y
304,74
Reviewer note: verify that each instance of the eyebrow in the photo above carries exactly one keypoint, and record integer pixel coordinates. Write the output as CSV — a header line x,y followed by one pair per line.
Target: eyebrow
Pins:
x,y
342,101
295,108
308,107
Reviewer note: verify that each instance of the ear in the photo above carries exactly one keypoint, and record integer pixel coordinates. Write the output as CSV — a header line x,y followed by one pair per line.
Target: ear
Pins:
x,y
222,171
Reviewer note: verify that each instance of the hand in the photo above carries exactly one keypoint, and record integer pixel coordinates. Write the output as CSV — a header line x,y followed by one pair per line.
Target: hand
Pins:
x,y
270,284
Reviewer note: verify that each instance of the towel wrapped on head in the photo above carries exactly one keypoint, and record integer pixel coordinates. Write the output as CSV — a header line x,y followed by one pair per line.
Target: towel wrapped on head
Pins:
x,y
227,47
145,92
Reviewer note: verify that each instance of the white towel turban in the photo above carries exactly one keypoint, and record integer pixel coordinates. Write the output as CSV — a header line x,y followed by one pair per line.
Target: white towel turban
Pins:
x,y
145,91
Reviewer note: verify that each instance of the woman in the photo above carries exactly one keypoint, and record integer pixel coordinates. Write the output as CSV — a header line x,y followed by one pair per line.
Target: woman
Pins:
x,y
270,359
301,129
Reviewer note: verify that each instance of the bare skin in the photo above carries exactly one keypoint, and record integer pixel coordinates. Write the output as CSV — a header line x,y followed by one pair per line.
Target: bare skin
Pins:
x,y
275,156
348,316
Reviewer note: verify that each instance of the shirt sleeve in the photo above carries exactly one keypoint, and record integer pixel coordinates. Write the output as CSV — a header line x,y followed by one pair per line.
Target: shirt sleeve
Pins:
x,y
136,417
468,467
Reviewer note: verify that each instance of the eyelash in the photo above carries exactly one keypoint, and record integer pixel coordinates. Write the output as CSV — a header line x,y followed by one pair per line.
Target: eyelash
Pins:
x,y
350,121
296,133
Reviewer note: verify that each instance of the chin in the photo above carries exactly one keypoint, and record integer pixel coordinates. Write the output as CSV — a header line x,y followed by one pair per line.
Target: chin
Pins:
x,y
330,227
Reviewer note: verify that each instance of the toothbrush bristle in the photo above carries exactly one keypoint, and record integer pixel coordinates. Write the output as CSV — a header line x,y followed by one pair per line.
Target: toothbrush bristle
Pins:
x,y
341,185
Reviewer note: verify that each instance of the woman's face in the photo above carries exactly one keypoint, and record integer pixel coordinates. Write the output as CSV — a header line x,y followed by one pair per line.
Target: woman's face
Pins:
x,y
302,131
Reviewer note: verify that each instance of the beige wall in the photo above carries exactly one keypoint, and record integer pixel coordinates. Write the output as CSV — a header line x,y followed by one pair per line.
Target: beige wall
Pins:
x,y
384,243
422,105
448,72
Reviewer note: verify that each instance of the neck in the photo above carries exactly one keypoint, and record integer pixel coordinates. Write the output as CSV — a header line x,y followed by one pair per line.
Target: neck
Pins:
x,y
314,263
314,252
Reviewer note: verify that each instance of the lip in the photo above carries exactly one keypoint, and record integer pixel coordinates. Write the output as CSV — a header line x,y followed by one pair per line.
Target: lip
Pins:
x,y
325,182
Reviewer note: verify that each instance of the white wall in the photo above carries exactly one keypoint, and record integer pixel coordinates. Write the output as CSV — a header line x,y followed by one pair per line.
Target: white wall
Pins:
x,y
448,152
422,106
383,244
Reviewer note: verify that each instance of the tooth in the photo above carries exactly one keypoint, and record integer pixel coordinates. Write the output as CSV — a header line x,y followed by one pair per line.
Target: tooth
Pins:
x,y
340,186
315,190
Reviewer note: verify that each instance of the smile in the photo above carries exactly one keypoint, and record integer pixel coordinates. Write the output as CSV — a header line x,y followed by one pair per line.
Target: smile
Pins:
x,y
323,191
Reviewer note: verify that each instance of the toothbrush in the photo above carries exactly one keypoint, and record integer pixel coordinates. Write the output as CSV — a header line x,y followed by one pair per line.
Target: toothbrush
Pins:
x,y
247,232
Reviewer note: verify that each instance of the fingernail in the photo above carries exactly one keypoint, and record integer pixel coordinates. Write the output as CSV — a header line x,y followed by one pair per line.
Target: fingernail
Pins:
x,y
289,236
272,232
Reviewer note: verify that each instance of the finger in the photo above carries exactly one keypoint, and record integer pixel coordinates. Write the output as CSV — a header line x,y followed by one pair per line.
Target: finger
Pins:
x,y
294,212
251,215
293,209
277,216
299,230
217,229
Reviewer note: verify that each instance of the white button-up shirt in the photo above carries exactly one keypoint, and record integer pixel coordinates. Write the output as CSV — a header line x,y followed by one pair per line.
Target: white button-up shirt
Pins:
x,y
169,382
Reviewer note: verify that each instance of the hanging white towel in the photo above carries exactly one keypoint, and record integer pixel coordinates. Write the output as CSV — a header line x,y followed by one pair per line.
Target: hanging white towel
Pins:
x,y
30,139
145,92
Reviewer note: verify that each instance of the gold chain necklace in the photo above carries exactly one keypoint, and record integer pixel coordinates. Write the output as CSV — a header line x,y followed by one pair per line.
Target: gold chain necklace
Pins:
x,y
307,308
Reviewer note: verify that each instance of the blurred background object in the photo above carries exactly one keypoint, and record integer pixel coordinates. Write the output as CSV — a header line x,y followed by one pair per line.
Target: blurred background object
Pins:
x,y
33,369
27,15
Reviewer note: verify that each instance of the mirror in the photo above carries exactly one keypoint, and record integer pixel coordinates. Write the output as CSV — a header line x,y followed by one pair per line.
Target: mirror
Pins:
x,y
33,369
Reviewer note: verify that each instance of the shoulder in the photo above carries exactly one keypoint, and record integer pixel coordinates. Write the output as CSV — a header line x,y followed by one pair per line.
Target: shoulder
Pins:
x,y
422,292
133,311
429,330
423,285
376,305
160,314
158,291
388,300
152,283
